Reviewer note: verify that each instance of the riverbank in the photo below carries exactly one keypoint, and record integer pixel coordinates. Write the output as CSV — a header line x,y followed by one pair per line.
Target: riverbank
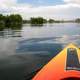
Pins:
x,y
15,21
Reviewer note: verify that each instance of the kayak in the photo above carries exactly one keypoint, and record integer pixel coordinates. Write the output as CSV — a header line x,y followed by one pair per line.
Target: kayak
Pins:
x,y
64,66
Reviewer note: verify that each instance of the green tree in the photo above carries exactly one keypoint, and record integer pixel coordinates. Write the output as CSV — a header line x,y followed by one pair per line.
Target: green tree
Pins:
x,y
51,21
77,20
2,22
13,20
38,21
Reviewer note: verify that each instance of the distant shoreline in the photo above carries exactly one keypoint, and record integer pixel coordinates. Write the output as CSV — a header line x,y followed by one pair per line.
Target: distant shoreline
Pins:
x,y
41,20
15,21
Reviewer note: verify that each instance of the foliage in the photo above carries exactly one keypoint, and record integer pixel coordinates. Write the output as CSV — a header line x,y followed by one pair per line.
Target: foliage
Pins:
x,y
77,20
2,22
37,21
51,20
10,21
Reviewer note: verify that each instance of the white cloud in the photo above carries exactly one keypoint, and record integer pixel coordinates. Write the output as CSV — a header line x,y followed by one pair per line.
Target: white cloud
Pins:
x,y
6,3
67,11
64,11
72,1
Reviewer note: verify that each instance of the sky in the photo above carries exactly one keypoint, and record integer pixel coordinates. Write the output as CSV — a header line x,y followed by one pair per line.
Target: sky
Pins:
x,y
56,9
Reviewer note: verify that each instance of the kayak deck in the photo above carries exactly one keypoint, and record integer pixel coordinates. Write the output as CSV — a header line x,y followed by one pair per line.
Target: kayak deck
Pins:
x,y
66,64
72,62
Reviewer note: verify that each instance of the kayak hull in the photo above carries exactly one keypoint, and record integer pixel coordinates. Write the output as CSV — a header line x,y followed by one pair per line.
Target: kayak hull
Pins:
x,y
56,68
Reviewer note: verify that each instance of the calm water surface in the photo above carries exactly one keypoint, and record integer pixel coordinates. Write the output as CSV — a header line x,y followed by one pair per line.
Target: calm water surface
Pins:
x,y
24,51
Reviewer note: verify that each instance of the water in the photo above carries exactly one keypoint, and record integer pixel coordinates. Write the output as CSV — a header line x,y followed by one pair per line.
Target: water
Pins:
x,y
26,50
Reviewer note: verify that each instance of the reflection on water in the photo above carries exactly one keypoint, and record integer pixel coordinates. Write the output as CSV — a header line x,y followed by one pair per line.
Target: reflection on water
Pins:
x,y
23,51
10,33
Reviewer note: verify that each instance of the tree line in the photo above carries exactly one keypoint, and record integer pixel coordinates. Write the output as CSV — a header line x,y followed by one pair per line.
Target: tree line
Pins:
x,y
10,21
36,21
16,21
41,20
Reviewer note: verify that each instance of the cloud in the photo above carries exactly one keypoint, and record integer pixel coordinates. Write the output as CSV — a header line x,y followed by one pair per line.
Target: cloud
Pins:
x,y
72,1
69,10
12,6
7,3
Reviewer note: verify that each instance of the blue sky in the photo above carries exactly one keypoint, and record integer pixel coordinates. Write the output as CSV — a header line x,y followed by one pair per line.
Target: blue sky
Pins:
x,y
56,9
42,2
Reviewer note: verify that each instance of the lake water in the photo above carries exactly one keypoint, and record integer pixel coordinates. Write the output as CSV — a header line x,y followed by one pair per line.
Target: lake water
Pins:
x,y
24,51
